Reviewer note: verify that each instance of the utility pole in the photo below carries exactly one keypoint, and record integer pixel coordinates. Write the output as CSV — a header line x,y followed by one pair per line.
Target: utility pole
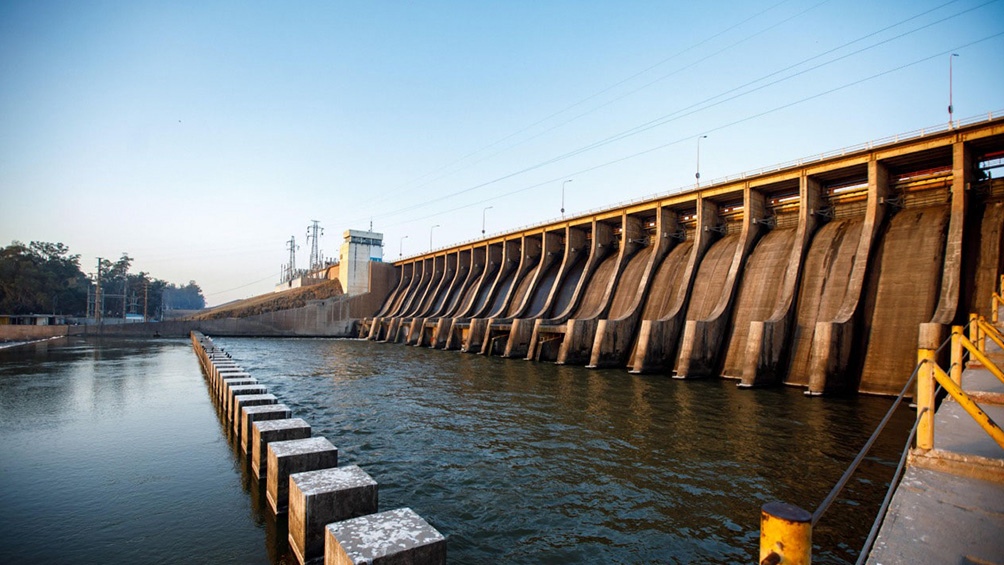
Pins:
x,y
98,299
291,247
146,299
951,109
125,293
313,234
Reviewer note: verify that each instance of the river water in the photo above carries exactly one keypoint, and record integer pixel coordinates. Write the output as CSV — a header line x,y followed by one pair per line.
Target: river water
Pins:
x,y
113,453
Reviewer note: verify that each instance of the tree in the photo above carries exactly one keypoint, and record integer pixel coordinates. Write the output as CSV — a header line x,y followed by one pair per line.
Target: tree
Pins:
x,y
43,278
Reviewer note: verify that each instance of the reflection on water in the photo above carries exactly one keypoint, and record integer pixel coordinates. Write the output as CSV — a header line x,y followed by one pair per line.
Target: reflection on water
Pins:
x,y
519,461
113,453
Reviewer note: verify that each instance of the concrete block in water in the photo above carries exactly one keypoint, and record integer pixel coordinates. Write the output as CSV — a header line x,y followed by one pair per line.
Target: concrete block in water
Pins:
x,y
246,400
318,498
265,432
225,385
252,414
397,536
295,456
228,400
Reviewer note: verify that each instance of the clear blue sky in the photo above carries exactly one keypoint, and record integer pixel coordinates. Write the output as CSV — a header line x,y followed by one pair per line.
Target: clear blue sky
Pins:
x,y
198,136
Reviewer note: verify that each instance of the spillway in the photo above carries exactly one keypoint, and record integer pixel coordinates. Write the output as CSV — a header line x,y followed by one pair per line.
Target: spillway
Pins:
x,y
664,295
568,287
824,283
501,293
521,290
903,290
710,279
540,292
592,298
759,294
627,284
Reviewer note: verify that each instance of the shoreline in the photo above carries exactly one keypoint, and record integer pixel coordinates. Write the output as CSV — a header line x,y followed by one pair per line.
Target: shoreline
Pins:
x,y
9,344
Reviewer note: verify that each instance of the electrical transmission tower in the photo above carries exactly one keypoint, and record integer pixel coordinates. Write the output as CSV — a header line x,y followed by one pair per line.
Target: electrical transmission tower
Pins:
x,y
314,231
291,267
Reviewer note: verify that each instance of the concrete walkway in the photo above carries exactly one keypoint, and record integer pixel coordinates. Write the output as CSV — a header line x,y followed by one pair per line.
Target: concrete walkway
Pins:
x,y
949,507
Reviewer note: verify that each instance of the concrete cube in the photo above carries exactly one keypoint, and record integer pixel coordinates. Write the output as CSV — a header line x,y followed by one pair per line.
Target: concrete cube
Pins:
x,y
228,401
246,400
252,414
225,384
318,498
264,433
388,538
294,456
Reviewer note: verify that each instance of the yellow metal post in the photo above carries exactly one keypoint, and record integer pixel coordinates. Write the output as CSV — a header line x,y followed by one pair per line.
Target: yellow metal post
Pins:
x,y
925,399
956,369
785,535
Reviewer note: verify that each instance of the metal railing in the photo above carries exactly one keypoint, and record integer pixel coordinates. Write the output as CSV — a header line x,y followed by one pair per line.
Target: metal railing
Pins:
x,y
866,146
786,530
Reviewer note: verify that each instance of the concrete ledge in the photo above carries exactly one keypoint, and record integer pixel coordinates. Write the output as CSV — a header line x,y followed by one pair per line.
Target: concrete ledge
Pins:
x,y
294,456
397,536
266,432
964,465
318,498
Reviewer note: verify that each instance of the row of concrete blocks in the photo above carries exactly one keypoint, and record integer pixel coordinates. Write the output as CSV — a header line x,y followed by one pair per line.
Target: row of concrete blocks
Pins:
x,y
332,510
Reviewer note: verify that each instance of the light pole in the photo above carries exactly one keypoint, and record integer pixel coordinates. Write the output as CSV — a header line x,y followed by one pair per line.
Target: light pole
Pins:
x,y
430,235
400,251
563,197
697,175
483,219
950,109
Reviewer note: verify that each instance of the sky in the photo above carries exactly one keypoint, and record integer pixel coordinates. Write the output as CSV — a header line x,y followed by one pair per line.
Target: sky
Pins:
x,y
198,137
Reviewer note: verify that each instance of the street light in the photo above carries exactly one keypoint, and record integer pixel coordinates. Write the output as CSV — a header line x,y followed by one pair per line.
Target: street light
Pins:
x,y
400,252
950,109
697,175
483,219
563,197
430,235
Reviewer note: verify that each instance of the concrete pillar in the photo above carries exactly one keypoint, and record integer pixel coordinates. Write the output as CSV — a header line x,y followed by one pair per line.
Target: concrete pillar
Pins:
x,y
318,498
228,400
246,400
225,384
404,538
295,456
267,431
262,412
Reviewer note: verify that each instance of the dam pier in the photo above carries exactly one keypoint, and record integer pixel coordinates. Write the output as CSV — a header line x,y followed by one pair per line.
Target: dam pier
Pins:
x,y
815,274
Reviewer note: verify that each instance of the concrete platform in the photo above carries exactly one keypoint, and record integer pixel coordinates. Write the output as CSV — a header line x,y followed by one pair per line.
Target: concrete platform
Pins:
x,y
949,506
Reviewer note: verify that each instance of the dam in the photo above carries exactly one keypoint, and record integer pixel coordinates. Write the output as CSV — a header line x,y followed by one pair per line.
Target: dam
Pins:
x,y
816,274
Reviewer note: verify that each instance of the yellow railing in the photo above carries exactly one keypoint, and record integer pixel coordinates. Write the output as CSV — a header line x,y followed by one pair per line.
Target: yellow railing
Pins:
x,y
786,530
932,374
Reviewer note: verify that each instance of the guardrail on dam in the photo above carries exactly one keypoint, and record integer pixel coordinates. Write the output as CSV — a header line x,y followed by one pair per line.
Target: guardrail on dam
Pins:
x,y
812,275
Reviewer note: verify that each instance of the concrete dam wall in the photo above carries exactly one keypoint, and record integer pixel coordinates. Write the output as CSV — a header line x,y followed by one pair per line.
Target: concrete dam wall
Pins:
x,y
816,275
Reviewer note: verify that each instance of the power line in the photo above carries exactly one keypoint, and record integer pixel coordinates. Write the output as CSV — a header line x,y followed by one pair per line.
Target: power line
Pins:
x,y
591,97
714,129
678,114
263,279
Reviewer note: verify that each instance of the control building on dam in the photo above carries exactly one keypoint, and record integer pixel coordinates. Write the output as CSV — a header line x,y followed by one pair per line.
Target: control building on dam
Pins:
x,y
817,275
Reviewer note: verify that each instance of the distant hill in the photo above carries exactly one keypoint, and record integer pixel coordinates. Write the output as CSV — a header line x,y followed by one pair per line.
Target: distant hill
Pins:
x,y
265,303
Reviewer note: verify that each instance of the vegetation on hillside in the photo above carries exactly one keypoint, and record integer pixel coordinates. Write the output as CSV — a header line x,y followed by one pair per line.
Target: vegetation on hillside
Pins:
x,y
265,303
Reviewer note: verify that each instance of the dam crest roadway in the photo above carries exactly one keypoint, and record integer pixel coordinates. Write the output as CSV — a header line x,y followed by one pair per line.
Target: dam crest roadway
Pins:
x,y
816,275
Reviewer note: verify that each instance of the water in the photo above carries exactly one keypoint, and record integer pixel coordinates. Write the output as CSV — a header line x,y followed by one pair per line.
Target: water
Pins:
x,y
115,454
